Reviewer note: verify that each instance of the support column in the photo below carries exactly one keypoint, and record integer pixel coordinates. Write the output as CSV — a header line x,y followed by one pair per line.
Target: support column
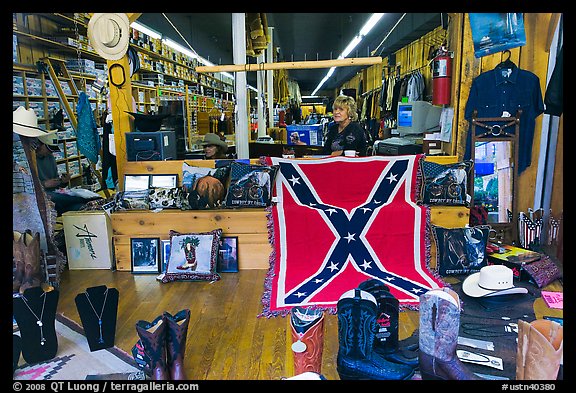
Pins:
x,y
270,78
241,113
261,102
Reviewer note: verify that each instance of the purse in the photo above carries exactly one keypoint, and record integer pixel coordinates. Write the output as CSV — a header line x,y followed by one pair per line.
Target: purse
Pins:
x,y
543,271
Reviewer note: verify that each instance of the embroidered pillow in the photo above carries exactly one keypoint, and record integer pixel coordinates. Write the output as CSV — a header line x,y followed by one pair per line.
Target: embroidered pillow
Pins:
x,y
131,200
193,256
250,185
460,250
445,184
165,198
204,188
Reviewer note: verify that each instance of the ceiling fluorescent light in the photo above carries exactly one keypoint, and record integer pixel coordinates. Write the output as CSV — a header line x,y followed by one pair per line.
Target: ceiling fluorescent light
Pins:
x,y
179,48
351,46
146,30
370,24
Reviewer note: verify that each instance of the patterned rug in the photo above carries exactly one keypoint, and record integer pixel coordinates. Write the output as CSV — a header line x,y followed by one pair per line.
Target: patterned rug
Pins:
x,y
74,361
340,221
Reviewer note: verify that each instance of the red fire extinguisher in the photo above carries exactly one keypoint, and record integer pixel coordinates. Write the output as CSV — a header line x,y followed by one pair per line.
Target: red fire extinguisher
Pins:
x,y
441,77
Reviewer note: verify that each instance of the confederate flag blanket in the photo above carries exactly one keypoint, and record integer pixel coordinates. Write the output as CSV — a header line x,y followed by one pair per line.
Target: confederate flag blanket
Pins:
x,y
339,221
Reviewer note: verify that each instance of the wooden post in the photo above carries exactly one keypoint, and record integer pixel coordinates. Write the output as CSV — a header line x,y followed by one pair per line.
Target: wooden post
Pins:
x,y
287,65
270,79
239,53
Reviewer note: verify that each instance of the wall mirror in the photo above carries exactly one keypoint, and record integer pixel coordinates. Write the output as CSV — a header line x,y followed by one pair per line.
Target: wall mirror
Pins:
x,y
495,149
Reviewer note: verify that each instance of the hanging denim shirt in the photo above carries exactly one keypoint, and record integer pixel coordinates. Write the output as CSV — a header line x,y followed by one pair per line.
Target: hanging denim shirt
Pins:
x,y
507,89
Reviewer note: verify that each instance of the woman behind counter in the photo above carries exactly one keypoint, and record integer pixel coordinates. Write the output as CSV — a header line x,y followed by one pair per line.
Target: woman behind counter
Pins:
x,y
345,133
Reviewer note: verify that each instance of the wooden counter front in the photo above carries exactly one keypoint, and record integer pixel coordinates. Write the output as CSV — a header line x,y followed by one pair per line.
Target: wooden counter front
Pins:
x,y
248,224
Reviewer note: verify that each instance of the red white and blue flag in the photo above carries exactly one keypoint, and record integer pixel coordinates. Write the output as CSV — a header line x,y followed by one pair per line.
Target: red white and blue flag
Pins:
x,y
339,221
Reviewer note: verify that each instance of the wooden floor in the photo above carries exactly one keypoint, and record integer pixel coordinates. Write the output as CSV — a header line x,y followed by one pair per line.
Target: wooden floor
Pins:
x,y
226,338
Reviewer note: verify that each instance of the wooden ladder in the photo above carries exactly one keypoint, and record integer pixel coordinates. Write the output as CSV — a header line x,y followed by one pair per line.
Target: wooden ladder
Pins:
x,y
58,72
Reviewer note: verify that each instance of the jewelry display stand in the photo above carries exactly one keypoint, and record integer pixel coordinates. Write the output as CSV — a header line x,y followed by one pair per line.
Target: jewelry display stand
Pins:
x,y
98,308
35,314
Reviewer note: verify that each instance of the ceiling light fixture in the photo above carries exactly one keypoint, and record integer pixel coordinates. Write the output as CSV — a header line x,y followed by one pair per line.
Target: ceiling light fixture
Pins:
x,y
146,30
368,26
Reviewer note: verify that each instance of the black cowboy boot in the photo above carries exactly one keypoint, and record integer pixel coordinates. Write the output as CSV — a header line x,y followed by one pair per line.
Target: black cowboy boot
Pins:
x,y
153,338
176,333
357,325
307,328
386,343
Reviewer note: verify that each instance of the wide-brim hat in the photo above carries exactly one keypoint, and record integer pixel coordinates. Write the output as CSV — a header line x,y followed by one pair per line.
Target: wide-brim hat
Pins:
x,y
491,280
147,123
25,122
109,34
213,139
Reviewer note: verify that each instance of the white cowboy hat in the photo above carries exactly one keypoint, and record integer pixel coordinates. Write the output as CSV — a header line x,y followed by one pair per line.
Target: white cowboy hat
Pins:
x,y
109,34
25,122
491,280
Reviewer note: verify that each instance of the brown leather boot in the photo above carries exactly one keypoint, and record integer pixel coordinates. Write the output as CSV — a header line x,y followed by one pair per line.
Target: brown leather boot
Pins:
x,y
153,338
438,336
18,257
176,332
540,350
307,327
33,276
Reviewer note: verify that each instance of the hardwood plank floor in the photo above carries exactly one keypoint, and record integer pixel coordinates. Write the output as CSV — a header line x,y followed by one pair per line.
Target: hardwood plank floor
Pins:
x,y
226,338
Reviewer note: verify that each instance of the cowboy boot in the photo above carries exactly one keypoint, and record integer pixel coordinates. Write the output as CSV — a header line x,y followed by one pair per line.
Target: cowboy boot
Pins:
x,y
540,349
386,343
176,333
33,276
357,311
19,263
153,338
438,337
307,327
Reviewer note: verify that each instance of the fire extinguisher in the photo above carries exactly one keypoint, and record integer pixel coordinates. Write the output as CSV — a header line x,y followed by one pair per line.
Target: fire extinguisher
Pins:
x,y
441,77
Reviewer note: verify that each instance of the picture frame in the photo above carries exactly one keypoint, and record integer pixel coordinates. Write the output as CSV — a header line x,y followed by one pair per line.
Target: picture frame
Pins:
x,y
164,181
228,255
145,255
165,251
136,182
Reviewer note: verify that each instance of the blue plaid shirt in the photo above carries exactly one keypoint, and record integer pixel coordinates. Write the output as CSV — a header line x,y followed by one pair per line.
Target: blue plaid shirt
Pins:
x,y
507,89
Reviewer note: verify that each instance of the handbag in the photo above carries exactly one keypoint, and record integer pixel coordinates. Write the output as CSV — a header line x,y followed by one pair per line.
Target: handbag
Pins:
x,y
543,271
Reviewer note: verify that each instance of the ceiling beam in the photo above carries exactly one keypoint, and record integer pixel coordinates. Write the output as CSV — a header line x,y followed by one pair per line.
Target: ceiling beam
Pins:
x,y
360,61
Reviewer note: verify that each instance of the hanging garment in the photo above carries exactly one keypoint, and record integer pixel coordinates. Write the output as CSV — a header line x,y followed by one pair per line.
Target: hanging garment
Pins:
x,y
553,98
87,132
505,90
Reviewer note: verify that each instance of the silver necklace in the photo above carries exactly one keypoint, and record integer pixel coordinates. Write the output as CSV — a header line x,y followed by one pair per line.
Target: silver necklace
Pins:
x,y
38,320
99,316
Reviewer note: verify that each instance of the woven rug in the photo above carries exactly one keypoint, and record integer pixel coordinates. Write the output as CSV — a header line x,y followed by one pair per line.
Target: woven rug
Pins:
x,y
74,361
340,221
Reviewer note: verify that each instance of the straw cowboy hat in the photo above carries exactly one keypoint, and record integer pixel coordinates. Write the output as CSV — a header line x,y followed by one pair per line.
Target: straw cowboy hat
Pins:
x,y
109,34
25,123
213,139
491,280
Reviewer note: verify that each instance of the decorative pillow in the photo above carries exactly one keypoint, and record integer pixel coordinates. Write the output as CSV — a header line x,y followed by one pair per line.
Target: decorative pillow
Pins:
x,y
165,198
460,250
193,256
204,188
250,185
131,200
543,272
445,185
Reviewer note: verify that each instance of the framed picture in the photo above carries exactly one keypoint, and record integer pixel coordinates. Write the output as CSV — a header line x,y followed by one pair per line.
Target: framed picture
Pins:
x,y
145,255
164,181
136,182
165,250
228,255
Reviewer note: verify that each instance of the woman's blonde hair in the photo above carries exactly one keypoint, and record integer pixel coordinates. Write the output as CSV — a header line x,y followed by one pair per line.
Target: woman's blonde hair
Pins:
x,y
347,103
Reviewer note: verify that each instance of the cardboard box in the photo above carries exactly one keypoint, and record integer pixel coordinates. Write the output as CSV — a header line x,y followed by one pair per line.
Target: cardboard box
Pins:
x,y
88,236
310,134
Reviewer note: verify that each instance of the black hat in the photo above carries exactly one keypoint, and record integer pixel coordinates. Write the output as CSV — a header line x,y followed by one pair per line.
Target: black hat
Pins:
x,y
147,123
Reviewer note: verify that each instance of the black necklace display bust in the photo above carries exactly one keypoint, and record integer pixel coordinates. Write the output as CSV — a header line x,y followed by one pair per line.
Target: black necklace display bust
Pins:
x,y
98,308
35,314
